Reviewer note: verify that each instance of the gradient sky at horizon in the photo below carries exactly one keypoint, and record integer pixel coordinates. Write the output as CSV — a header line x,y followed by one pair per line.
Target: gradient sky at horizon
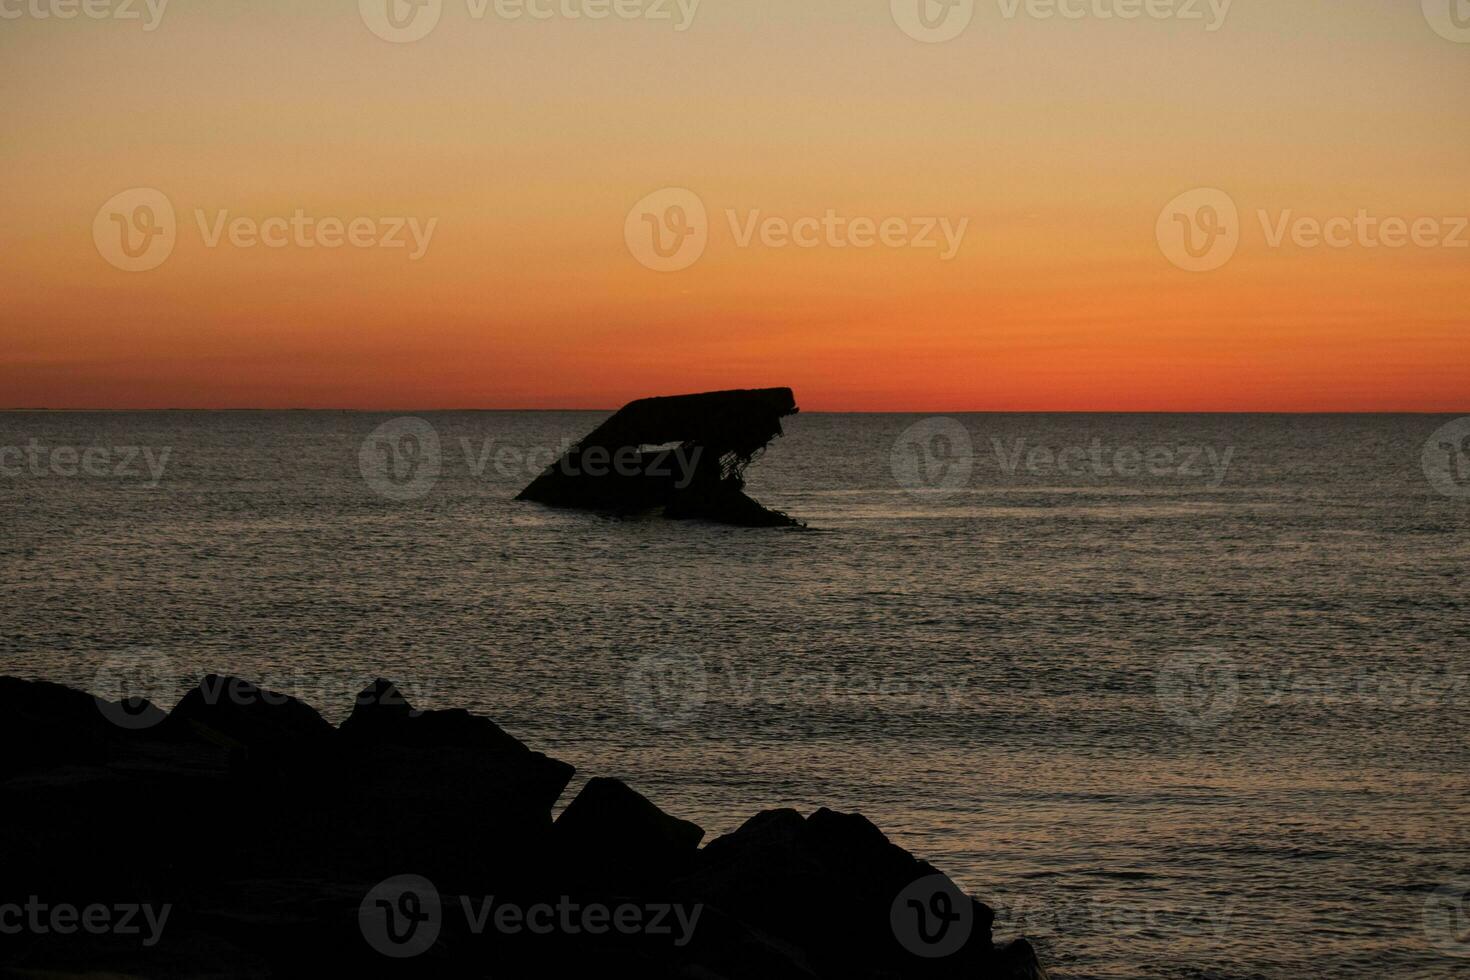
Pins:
x,y
529,141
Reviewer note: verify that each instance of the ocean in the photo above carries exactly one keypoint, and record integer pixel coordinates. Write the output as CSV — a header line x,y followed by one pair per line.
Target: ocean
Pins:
x,y
1181,696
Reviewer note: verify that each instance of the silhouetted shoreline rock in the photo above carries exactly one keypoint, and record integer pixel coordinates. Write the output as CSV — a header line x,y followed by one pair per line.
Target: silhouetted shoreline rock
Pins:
x,y
250,837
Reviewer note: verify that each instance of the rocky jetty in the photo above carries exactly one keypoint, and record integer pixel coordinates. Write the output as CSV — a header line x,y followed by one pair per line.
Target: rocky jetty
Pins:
x,y
241,834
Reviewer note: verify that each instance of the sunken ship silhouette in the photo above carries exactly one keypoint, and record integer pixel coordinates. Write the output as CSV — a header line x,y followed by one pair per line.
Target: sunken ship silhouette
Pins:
x,y
683,455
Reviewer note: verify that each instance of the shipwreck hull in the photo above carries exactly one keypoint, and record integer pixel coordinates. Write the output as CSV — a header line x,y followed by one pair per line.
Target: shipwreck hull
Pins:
x,y
684,455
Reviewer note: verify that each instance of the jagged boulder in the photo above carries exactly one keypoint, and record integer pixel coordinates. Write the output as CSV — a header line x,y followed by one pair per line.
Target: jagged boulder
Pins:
x,y
615,835
59,726
421,748
1017,960
235,713
266,829
382,714
445,794
828,884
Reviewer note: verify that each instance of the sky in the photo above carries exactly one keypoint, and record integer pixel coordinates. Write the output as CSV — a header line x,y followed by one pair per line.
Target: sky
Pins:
x,y
768,142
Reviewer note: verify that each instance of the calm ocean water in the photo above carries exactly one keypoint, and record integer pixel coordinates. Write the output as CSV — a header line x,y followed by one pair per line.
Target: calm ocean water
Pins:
x,y
1204,717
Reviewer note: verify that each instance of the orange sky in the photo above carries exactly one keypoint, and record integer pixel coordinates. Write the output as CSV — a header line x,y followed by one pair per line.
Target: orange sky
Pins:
x,y
527,142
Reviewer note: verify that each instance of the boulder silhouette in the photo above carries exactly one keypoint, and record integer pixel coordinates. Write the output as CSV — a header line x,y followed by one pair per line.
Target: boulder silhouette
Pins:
x,y
382,714
614,835
57,725
1017,960
235,713
828,884
265,830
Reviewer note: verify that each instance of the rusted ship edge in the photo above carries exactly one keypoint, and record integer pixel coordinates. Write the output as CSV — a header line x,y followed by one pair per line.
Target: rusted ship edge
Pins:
x,y
683,455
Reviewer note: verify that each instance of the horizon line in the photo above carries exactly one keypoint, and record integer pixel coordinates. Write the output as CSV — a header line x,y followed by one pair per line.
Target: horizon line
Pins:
x,y
822,411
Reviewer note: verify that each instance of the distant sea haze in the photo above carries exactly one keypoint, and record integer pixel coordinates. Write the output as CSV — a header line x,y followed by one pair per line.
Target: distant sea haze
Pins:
x,y
1179,695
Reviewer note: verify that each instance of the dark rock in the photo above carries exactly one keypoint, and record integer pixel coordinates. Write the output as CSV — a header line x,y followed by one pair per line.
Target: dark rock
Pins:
x,y
765,836
382,714
616,835
406,746
236,713
264,829
1017,960
828,884
57,725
